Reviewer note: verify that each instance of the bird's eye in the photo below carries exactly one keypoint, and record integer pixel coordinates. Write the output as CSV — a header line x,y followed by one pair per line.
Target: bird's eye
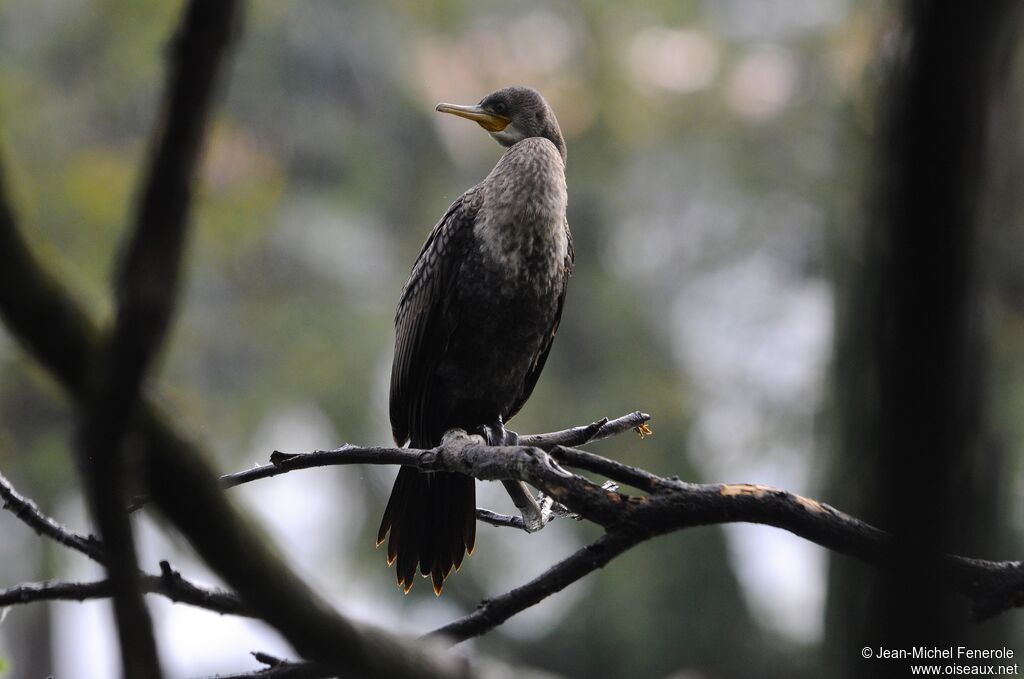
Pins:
x,y
500,107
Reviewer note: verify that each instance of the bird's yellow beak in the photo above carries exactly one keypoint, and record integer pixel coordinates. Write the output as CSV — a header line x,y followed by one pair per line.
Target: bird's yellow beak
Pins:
x,y
491,122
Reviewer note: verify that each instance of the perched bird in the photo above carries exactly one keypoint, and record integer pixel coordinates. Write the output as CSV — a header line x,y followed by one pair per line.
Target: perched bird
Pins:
x,y
474,325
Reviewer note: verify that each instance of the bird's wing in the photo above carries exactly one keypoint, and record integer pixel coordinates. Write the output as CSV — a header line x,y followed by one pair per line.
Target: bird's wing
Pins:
x,y
542,356
422,327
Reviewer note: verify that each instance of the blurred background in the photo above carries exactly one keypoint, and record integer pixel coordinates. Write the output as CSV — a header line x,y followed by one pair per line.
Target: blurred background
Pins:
x,y
718,162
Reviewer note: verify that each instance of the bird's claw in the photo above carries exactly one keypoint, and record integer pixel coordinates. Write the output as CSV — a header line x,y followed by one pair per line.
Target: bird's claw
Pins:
x,y
495,434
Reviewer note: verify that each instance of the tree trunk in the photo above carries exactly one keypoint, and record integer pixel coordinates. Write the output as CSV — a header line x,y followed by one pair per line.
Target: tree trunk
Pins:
x,y
914,450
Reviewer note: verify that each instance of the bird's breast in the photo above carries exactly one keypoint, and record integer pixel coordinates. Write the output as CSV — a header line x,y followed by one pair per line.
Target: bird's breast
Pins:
x,y
520,226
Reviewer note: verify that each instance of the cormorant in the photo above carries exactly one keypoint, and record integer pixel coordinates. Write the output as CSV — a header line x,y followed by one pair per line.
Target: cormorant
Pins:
x,y
474,325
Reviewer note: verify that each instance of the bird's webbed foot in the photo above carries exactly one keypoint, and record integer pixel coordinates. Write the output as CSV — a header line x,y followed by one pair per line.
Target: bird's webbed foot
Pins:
x,y
495,434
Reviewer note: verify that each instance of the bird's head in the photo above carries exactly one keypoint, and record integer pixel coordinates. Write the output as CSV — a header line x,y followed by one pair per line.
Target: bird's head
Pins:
x,y
511,115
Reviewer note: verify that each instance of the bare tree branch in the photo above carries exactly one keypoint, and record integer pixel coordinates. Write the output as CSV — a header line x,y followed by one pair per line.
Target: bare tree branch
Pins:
x,y
282,463
170,584
578,436
27,511
176,588
492,612
53,590
992,586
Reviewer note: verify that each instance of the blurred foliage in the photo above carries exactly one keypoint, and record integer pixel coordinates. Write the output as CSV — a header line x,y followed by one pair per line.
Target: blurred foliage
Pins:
x,y
708,177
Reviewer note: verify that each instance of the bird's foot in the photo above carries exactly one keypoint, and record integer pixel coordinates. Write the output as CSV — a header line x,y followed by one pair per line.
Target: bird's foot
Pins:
x,y
533,515
495,434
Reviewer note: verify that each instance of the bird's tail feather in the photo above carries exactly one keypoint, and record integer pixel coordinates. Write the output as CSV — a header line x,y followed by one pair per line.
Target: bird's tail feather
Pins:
x,y
432,520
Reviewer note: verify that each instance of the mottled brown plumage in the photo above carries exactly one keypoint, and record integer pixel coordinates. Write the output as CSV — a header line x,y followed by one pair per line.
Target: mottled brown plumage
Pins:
x,y
475,323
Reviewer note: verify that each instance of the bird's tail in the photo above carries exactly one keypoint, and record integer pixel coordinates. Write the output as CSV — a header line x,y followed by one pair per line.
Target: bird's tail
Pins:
x,y
432,520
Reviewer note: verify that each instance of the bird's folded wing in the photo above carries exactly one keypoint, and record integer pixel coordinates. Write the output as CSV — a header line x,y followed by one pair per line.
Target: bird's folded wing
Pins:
x,y
421,328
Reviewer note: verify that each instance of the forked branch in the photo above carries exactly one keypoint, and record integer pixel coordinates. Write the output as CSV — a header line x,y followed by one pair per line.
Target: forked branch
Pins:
x,y
666,505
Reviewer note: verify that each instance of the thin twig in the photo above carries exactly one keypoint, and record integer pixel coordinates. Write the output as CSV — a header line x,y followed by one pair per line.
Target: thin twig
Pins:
x,y
29,513
176,588
172,586
578,436
276,668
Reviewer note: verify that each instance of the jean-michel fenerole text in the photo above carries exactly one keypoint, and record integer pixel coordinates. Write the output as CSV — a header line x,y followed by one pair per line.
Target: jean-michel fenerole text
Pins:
x,y
944,653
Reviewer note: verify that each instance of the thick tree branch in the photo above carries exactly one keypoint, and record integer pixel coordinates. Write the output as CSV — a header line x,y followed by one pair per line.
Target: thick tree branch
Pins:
x,y
146,293
38,308
917,378
150,266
